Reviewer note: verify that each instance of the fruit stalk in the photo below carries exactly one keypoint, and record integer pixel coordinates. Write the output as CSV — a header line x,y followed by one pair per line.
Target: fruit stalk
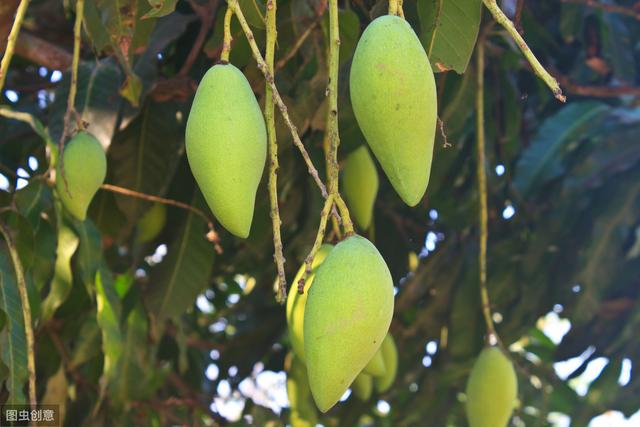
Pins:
x,y
26,312
262,66
324,216
538,69
11,41
269,107
482,192
226,41
73,87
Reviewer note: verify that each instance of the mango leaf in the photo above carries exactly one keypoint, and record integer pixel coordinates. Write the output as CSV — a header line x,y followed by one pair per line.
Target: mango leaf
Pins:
x,y
449,30
87,343
254,12
89,253
108,316
185,271
160,8
13,344
97,100
144,155
56,392
543,159
63,276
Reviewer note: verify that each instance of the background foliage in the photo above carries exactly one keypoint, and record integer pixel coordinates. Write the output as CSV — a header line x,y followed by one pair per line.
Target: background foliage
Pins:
x,y
120,339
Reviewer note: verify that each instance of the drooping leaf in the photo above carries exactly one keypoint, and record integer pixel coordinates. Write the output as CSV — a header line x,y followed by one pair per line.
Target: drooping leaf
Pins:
x,y
108,318
160,8
449,30
63,276
89,253
542,160
185,271
13,343
144,155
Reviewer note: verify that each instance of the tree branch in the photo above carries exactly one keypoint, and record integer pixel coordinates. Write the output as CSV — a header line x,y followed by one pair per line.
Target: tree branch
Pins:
x,y
207,15
597,91
538,69
42,52
11,42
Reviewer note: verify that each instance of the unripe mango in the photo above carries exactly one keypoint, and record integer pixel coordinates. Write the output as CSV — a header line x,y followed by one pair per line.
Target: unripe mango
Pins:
x,y
303,412
362,386
151,223
390,356
296,302
492,390
376,364
393,94
226,142
85,167
360,185
346,318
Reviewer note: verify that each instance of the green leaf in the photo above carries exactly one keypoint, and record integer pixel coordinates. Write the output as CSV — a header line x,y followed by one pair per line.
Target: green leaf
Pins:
x,y
449,30
33,200
56,392
143,156
63,275
185,271
87,343
89,253
132,89
108,316
97,100
254,12
160,8
13,344
543,159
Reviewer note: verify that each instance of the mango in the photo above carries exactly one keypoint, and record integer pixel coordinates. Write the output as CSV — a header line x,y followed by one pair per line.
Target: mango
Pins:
x,y
303,412
390,356
360,185
376,364
85,168
226,143
296,302
393,94
492,390
151,223
362,386
348,313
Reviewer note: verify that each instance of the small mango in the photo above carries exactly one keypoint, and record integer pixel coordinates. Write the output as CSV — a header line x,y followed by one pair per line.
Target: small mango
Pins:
x,y
360,185
151,223
85,168
390,356
393,94
296,302
492,390
362,386
348,313
303,412
376,366
226,143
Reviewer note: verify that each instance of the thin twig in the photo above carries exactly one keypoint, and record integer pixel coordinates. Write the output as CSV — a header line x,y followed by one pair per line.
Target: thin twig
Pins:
x,y
269,111
597,91
276,95
11,42
297,45
612,8
212,235
324,215
482,191
207,15
538,69
26,312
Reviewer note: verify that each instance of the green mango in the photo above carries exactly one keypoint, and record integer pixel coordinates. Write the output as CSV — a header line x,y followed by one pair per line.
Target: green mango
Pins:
x,y
226,142
390,356
296,302
151,223
376,365
362,386
360,185
85,167
348,313
492,390
303,412
393,94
